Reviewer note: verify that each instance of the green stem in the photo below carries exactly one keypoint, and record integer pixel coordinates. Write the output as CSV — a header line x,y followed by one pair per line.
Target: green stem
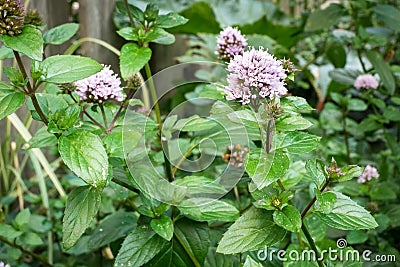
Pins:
x,y
153,92
312,244
311,203
79,42
121,107
346,138
103,114
30,253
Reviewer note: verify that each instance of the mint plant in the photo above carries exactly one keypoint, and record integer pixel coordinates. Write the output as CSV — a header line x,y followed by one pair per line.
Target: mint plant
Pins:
x,y
207,190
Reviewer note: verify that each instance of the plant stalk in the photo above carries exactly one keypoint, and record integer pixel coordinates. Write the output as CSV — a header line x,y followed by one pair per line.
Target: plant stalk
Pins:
x,y
312,244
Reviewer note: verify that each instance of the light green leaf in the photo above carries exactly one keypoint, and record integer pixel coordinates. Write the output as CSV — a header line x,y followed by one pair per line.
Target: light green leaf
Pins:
x,y
133,59
389,14
297,142
251,263
60,34
349,172
325,201
347,215
139,247
264,168
324,18
383,69
7,231
66,68
129,33
344,76
29,42
254,230
82,205
170,20
112,228
30,239
163,226
200,185
356,237
288,218
295,103
194,123
292,123
11,99
84,154
356,105
315,168
207,209
22,219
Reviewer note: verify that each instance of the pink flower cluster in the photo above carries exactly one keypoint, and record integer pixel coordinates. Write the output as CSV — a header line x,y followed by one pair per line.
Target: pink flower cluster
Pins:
x,y
255,75
230,42
100,87
366,81
369,173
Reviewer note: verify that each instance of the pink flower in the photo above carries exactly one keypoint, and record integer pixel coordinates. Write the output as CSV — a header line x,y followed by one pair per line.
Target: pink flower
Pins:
x,y
366,81
255,75
230,42
100,87
369,173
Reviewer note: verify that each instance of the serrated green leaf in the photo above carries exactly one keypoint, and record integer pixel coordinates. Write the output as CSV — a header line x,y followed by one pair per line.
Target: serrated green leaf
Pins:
x,y
29,42
112,228
10,99
383,69
325,201
347,215
82,205
264,168
297,142
84,154
163,226
254,230
200,185
288,218
15,76
349,172
133,59
66,68
139,247
170,20
292,123
251,263
60,34
295,103
207,209
315,169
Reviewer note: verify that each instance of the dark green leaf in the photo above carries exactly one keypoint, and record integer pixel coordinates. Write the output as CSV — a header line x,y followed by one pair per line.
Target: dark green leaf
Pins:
x,y
10,99
66,69
139,247
163,226
264,168
206,209
215,259
113,227
254,230
325,18
29,42
288,218
344,76
60,34
337,55
297,142
133,59
382,192
135,12
82,206
390,15
84,154
383,69
15,76
170,20
348,215
356,237
392,113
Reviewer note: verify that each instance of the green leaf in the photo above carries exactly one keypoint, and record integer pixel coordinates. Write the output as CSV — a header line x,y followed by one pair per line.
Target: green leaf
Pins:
x,y
337,55
119,141
10,99
163,226
295,103
383,191
22,219
215,259
325,201
324,18
30,239
139,247
133,59
391,113
254,230
349,172
6,52
15,76
29,42
264,168
60,34
129,34
316,170
383,69
288,218
84,154
113,227
49,104
82,206
297,142
67,69
390,15
356,105
347,215
251,263
207,209
135,12
200,185
194,123
292,123
170,20
356,237
7,231
344,76
159,36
